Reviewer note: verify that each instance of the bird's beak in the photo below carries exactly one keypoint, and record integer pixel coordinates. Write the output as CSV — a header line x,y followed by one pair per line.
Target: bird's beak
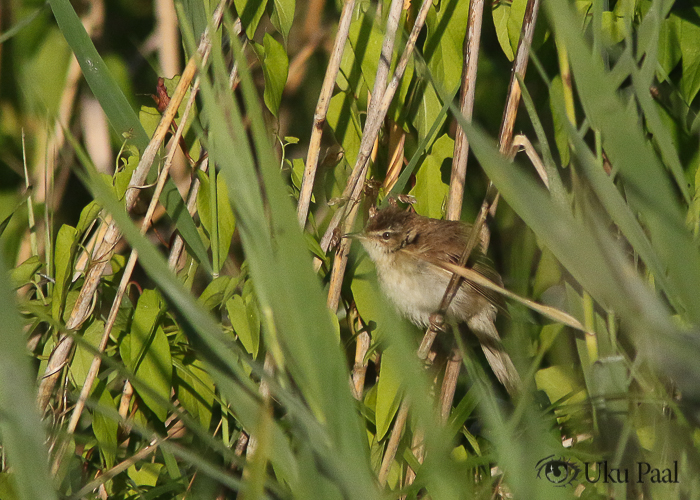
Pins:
x,y
354,236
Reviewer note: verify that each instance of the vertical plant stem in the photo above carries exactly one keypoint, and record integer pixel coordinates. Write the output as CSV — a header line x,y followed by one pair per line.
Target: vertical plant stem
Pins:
x,y
324,99
472,42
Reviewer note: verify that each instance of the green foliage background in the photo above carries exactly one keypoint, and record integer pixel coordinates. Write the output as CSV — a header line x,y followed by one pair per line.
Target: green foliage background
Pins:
x,y
238,369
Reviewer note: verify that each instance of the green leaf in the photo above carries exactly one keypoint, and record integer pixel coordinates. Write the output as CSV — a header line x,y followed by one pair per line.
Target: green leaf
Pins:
x,y
238,313
501,15
104,427
561,128
559,382
690,50
149,354
344,119
223,216
430,189
388,391
23,274
275,65
283,16
195,391
250,12
82,359
443,49
87,215
214,293
614,28
426,109
146,475
669,48
64,253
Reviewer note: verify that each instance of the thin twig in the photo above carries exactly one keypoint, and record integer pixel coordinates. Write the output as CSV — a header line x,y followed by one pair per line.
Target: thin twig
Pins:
x,y
359,370
324,99
81,310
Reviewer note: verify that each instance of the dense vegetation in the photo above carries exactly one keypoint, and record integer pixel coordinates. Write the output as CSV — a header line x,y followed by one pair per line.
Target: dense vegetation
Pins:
x,y
168,331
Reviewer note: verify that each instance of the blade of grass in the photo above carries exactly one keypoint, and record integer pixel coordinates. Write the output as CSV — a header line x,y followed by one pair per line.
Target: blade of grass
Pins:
x,y
22,433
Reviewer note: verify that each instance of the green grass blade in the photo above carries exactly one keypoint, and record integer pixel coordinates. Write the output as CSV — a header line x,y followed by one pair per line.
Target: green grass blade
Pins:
x,y
122,118
22,432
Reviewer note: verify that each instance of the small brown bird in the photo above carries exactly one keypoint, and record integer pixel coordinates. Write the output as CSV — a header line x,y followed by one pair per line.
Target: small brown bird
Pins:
x,y
406,249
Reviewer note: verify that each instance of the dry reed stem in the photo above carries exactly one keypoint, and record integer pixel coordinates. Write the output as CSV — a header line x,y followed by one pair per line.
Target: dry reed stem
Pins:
x,y
324,100
521,141
81,310
393,444
169,35
312,22
461,150
397,141
359,370
472,41
129,268
298,66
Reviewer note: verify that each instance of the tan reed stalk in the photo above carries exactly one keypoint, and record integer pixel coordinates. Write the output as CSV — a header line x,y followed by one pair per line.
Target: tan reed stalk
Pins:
x,y
324,99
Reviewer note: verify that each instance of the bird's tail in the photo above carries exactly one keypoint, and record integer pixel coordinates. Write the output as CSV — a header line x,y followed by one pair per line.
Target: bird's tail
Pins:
x,y
497,357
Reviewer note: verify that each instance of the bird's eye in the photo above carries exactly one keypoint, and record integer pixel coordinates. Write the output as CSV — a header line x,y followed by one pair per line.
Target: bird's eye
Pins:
x,y
386,235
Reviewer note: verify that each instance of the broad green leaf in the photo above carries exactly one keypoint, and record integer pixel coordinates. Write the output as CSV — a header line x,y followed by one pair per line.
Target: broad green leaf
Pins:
x,y
238,314
614,28
425,111
501,15
559,382
82,359
214,293
223,215
275,65
388,391
195,390
669,47
250,12
149,354
146,475
443,48
561,129
344,120
149,118
690,50
104,427
283,16
430,189
22,274
64,252
87,216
